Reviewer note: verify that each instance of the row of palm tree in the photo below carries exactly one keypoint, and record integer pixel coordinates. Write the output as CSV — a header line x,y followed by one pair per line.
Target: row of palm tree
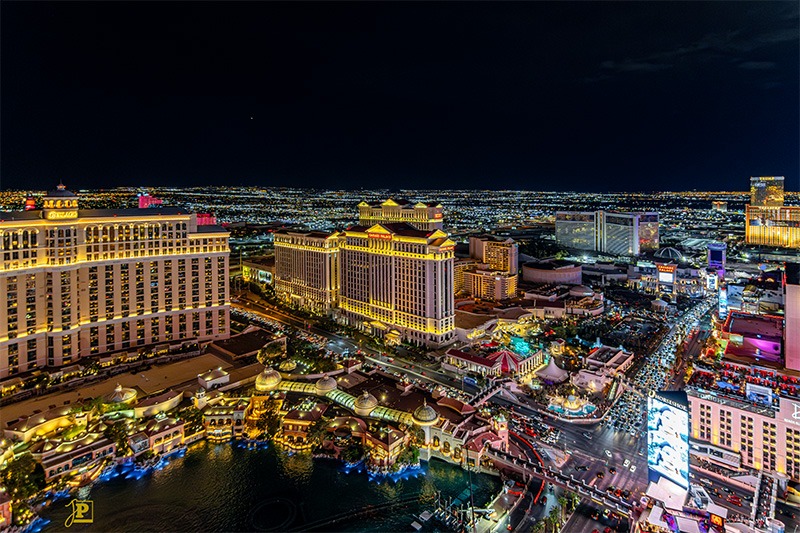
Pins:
x,y
554,521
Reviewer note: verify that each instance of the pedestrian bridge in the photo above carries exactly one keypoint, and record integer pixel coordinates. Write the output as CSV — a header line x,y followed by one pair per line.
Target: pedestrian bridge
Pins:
x,y
549,474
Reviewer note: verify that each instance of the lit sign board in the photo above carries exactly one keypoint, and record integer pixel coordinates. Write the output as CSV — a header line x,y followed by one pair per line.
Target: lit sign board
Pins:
x,y
382,236
446,249
723,302
790,412
61,215
666,277
712,282
59,204
668,440
437,215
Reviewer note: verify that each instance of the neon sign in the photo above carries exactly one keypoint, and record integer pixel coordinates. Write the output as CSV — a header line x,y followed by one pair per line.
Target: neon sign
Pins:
x,y
61,215
381,236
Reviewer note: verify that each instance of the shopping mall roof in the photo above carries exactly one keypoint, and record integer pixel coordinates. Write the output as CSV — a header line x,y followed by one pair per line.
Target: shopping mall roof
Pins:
x,y
758,326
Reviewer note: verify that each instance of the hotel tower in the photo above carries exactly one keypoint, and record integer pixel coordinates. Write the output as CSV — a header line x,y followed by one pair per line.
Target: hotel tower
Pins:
x,y
81,282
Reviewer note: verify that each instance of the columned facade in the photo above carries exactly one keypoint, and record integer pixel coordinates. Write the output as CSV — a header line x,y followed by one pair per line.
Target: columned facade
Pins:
x,y
86,282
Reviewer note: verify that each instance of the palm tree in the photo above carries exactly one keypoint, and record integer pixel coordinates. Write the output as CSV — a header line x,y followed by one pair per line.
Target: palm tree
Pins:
x,y
562,504
539,527
555,518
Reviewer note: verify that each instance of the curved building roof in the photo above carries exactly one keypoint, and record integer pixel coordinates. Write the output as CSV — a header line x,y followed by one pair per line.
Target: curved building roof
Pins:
x,y
61,192
364,404
268,380
121,395
425,415
669,253
325,384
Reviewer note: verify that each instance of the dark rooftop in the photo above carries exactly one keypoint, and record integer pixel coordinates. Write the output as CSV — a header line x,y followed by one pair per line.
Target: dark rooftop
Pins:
x,y
793,273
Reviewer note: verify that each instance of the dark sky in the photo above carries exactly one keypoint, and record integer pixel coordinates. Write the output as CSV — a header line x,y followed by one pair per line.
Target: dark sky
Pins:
x,y
541,96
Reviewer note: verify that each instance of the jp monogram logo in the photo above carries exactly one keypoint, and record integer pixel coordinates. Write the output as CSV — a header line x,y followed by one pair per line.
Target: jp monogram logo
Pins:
x,y
82,512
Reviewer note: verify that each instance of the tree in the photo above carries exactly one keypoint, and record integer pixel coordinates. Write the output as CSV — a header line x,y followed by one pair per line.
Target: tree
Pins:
x,y
555,518
118,434
269,422
352,453
417,435
562,503
317,432
271,351
23,477
409,455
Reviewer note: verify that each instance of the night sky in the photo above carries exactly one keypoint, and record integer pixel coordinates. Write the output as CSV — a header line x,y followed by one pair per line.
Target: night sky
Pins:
x,y
540,96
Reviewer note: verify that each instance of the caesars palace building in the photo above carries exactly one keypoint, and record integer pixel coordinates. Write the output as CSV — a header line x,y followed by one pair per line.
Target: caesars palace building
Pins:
x,y
80,282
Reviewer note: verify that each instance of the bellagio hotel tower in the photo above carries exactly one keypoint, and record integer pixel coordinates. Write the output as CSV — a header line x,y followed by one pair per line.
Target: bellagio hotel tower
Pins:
x,y
80,282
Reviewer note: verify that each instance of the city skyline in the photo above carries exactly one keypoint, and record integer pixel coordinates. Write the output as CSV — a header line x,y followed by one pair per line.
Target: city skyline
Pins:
x,y
400,266
517,96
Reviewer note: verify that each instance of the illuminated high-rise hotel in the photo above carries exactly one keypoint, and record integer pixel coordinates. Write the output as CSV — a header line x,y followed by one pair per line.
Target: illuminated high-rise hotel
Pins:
x,y
766,191
498,254
773,226
397,282
307,268
424,216
79,282
609,232
767,221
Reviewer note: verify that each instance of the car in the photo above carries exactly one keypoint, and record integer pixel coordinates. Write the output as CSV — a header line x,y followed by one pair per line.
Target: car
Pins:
x,y
608,453
608,530
587,435
601,475
612,470
582,468
633,468
627,463
595,530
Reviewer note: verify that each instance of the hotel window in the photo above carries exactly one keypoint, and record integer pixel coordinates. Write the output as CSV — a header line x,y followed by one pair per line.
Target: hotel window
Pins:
x,y
793,453
31,345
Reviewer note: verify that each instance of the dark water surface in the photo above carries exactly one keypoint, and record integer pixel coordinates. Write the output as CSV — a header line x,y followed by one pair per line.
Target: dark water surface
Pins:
x,y
222,487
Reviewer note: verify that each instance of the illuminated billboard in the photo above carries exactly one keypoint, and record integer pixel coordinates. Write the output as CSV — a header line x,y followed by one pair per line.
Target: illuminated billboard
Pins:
x,y
666,277
668,437
723,302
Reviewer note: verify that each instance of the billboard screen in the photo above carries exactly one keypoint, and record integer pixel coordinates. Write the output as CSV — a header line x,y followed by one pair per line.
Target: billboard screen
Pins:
x,y
666,277
668,439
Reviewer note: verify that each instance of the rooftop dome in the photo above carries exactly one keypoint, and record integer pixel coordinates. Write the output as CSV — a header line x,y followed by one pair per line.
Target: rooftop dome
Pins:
x,y
288,365
425,415
669,253
325,385
121,395
268,380
365,403
61,192
580,290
